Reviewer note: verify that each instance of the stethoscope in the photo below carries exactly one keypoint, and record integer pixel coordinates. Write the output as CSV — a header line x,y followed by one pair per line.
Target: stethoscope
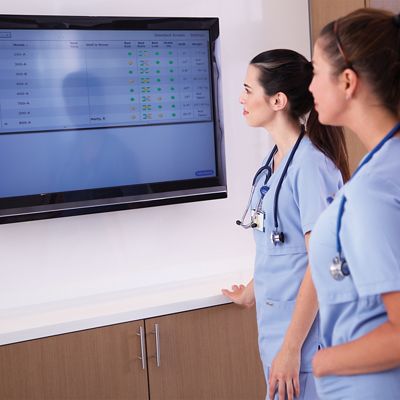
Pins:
x,y
339,268
276,235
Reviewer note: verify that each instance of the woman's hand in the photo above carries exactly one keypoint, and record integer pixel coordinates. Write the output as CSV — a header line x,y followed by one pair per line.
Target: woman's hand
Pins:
x,y
284,375
241,294
319,363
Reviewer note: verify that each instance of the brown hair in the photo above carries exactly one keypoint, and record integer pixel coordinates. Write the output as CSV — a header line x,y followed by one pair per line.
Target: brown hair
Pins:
x,y
289,72
367,41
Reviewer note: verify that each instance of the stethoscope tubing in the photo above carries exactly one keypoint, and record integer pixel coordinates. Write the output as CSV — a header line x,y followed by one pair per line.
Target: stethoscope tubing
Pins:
x,y
266,167
343,200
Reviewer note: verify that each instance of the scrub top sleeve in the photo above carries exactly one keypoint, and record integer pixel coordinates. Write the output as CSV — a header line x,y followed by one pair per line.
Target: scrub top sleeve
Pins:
x,y
316,183
371,236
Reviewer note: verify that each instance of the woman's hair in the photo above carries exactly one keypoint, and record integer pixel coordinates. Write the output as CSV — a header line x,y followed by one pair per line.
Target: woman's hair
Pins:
x,y
289,72
368,42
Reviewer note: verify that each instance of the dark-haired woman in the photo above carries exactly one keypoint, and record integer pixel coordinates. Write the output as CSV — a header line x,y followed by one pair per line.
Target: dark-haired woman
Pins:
x,y
355,246
297,181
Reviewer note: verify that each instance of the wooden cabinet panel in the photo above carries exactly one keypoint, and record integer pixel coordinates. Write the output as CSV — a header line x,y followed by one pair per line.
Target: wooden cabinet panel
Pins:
x,y
324,11
95,364
391,5
204,355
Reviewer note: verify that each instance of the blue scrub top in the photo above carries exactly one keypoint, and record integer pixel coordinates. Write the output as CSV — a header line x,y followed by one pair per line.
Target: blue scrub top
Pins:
x,y
370,237
279,270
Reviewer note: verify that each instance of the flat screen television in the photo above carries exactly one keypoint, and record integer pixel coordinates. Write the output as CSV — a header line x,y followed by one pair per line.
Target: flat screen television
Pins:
x,y
108,113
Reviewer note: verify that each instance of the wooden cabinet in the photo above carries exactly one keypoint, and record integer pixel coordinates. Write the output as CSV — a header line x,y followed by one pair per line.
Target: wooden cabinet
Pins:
x,y
207,354
324,11
93,364
203,354
391,5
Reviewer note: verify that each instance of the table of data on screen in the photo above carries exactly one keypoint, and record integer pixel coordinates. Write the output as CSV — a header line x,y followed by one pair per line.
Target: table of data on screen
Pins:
x,y
75,81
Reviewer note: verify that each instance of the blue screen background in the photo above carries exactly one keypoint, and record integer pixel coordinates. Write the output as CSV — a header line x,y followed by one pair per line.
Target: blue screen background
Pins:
x,y
96,109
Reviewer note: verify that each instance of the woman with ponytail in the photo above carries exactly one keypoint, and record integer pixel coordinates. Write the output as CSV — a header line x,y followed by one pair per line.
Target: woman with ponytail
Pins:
x,y
355,246
300,177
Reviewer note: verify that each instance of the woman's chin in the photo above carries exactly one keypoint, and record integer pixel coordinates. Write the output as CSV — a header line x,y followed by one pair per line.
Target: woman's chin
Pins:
x,y
252,124
324,119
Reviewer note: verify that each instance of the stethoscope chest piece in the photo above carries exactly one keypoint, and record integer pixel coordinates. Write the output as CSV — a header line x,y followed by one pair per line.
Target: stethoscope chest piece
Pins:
x,y
339,268
277,237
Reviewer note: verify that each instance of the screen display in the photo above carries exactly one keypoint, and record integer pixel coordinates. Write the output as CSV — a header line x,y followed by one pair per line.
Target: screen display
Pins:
x,y
86,109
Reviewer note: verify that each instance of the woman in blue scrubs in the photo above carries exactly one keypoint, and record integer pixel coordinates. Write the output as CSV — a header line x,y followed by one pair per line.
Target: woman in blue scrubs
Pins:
x,y
355,245
290,191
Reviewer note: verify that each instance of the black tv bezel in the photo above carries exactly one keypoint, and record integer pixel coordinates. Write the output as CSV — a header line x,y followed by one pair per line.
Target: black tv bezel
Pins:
x,y
62,204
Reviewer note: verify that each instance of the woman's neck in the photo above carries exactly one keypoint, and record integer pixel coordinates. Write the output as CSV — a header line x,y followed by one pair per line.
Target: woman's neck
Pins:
x,y
284,133
371,125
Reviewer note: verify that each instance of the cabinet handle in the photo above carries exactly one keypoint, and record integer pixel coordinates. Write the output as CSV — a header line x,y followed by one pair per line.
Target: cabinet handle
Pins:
x,y
142,357
156,332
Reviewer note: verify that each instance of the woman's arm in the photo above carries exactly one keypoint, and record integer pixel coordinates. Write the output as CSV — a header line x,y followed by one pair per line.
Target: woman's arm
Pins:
x,y
285,369
241,294
376,351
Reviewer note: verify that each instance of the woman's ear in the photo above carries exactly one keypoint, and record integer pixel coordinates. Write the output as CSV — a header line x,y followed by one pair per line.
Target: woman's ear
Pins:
x,y
278,101
349,83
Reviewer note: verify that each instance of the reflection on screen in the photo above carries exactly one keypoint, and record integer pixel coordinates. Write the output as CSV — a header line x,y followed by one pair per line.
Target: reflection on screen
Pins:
x,y
91,109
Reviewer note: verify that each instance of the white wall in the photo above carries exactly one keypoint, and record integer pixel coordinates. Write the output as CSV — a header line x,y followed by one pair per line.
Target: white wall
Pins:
x,y
64,258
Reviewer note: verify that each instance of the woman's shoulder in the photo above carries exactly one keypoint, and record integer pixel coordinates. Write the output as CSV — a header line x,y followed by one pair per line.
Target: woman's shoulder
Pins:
x,y
380,176
310,158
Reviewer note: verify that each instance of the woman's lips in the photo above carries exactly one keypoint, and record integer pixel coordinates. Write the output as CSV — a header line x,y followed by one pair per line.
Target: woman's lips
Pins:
x,y
245,112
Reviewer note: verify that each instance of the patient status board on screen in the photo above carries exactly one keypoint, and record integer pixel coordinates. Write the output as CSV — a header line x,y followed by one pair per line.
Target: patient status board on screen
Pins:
x,y
71,79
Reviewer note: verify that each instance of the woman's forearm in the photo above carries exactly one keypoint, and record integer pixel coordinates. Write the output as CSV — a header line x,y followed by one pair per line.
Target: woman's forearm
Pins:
x,y
378,350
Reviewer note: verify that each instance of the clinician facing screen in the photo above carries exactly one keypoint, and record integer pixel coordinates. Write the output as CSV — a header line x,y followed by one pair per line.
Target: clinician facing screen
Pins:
x,y
289,191
355,245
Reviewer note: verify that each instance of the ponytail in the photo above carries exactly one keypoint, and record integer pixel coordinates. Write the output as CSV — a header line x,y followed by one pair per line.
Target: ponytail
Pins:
x,y
329,140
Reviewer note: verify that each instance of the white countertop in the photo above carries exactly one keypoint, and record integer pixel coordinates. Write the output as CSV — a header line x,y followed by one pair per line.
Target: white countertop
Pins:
x,y
49,319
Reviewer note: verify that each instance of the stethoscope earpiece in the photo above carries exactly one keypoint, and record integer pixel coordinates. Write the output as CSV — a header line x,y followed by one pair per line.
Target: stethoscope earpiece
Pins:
x,y
246,226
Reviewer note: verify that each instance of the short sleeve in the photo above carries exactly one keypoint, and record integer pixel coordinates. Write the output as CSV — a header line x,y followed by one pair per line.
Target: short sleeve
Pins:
x,y
371,236
316,183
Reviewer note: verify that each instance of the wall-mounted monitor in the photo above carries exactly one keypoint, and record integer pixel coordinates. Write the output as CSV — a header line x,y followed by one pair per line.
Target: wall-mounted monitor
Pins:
x,y
108,113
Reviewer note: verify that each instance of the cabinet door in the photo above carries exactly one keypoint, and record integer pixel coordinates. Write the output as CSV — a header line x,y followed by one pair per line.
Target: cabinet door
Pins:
x,y
204,355
94,364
